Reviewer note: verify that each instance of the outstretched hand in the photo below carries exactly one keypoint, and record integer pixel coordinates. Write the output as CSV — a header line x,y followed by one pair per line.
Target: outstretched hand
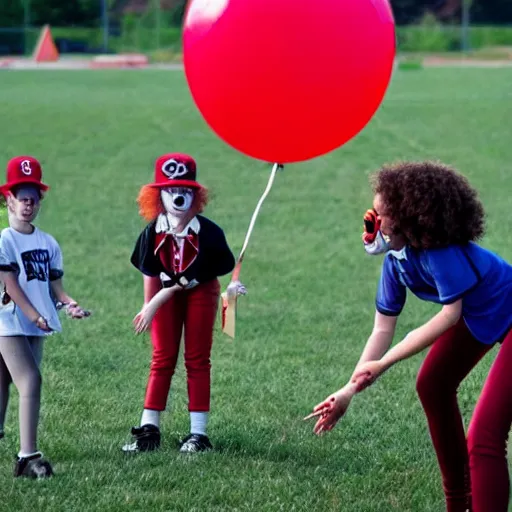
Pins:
x,y
332,409
73,310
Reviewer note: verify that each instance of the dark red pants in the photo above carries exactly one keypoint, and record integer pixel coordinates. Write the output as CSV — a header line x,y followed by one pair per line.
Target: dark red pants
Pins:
x,y
474,472
193,311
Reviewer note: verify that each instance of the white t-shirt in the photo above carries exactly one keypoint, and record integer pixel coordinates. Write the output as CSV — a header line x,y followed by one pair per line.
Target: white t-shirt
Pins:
x,y
38,260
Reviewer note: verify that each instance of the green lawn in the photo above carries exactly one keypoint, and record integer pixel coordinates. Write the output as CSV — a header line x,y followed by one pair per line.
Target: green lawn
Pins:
x,y
300,328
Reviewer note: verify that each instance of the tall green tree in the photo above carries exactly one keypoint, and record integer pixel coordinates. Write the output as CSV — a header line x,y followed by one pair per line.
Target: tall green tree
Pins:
x,y
64,12
88,12
495,12
11,13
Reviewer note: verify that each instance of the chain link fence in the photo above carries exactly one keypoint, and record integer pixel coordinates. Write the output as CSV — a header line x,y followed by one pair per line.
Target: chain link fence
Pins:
x,y
153,27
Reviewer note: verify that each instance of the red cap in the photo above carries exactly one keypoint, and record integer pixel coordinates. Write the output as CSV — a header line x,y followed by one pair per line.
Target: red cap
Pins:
x,y
175,170
23,169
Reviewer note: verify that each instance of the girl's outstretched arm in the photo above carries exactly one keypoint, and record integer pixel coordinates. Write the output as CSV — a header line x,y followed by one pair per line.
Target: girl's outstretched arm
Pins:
x,y
380,339
414,342
330,410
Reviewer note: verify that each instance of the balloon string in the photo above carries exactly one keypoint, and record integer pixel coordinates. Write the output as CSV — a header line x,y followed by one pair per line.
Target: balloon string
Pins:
x,y
236,272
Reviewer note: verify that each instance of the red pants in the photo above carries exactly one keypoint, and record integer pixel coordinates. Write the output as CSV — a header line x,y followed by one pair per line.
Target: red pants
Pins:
x,y
475,471
195,311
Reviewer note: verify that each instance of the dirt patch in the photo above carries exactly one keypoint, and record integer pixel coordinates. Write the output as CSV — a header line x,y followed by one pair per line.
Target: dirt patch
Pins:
x,y
73,64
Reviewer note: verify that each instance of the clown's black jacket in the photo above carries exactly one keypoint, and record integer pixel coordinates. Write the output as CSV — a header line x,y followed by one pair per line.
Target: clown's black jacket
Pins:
x,y
213,259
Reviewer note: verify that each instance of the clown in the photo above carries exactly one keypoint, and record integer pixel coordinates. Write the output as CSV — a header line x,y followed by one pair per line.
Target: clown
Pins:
x,y
181,255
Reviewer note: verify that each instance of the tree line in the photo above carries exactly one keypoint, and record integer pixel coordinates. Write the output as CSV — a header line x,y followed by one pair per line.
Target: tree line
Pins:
x,y
88,13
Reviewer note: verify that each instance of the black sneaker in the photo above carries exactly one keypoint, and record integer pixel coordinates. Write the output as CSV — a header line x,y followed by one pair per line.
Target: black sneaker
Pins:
x,y
33,466
195,443
145,439
1,434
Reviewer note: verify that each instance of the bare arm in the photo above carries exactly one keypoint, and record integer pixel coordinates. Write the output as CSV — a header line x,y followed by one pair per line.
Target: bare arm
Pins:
x,y
160,298
151,287
330,410
424,336
414,342
374,360
71,306
59,293
18,296
153,301
380,339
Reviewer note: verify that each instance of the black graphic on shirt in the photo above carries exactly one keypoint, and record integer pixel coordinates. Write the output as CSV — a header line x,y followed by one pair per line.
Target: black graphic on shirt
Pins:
x,y
36,264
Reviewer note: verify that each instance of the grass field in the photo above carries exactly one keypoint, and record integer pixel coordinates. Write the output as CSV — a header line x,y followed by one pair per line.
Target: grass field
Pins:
x,y
300,329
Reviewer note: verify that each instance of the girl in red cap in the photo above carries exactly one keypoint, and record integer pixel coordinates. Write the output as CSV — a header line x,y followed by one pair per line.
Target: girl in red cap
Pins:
x,y
31,271
181,255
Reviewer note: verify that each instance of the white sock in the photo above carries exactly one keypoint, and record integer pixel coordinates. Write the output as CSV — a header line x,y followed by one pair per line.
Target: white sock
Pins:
x,y
24,455
198,422
151,417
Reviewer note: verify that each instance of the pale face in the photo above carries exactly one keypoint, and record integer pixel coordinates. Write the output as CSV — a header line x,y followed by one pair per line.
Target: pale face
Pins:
x,y
25,204
396,241
178,201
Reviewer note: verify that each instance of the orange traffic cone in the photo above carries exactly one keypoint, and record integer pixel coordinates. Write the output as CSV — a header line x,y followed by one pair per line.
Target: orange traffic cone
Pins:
x,y
45,50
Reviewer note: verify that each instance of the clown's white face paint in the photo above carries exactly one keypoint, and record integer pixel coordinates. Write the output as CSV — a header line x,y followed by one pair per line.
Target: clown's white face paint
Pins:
x,y
177,202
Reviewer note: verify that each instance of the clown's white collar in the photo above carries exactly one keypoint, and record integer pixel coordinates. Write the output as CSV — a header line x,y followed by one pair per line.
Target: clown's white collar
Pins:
x,y
164,225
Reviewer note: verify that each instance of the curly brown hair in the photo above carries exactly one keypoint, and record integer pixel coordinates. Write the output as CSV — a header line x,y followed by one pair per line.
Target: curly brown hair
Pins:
x,y
430,204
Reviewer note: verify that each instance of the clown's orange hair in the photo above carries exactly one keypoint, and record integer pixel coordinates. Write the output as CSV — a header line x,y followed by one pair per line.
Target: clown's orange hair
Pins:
x,y
150,204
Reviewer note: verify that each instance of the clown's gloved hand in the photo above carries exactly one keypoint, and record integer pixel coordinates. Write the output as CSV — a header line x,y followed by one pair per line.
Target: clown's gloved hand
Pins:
x,y
236,288
374,241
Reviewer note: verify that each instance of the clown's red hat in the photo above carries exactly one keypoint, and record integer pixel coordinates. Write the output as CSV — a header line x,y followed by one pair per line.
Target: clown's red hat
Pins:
x,y
175,170
23,169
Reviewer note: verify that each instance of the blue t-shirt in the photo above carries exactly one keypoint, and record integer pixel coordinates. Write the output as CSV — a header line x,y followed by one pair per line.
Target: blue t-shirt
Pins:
x,y
479,277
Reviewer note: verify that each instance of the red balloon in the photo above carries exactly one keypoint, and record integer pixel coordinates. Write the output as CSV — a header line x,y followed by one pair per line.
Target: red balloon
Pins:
x,y
288,80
